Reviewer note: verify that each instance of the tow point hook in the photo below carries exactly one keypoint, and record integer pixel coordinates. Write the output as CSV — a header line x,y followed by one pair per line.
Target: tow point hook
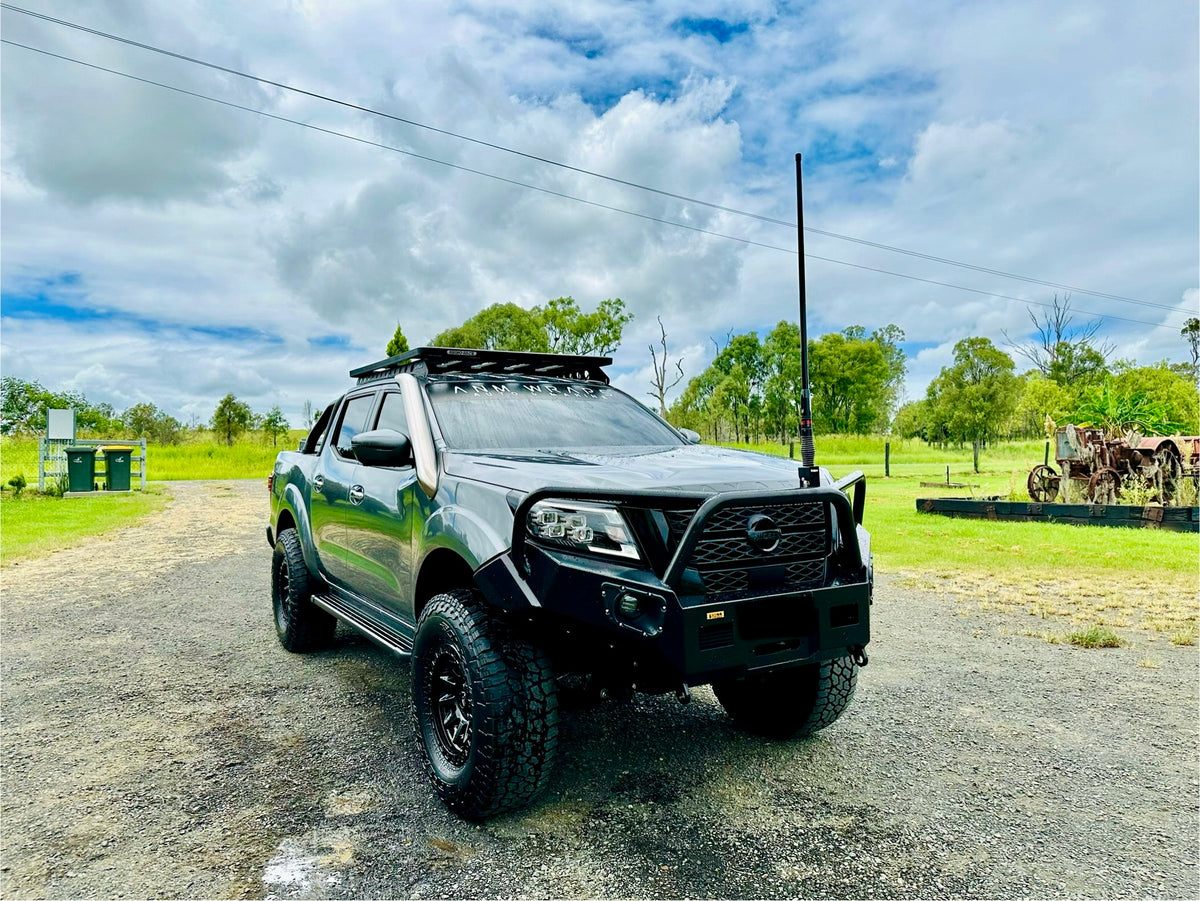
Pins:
x,y
683,694
859,655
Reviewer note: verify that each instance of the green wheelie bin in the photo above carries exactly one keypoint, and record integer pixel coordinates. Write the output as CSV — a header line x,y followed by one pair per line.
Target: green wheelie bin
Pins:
x,y
81,468
116,465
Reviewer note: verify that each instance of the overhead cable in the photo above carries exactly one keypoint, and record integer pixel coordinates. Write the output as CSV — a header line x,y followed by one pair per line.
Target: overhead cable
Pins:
x,y
549,191
577,169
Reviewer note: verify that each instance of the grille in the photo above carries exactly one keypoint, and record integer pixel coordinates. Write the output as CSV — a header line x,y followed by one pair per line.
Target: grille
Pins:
x,y
731,568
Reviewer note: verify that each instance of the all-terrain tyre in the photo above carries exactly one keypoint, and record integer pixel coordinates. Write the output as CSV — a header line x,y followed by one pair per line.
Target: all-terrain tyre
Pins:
x,y
301,625
485,705
792,702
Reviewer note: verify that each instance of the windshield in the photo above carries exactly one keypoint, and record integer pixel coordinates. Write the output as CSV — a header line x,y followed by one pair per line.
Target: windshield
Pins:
x,y
478,414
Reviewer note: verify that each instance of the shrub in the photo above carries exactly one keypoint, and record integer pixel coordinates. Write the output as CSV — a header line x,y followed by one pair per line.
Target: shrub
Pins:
x,y
1095,637
17,483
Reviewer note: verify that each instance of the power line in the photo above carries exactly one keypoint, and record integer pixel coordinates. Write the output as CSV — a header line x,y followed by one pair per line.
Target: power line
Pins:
x,y
549,191
610,178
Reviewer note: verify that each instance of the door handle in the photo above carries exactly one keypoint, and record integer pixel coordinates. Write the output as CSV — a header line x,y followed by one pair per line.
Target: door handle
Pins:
x,y
318,483
357,494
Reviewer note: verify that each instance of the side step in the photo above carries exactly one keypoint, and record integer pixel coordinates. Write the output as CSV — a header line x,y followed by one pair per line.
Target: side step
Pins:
x,y
382,635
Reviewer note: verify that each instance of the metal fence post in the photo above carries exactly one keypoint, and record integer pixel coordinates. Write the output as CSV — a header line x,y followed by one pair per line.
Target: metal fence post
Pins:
x,y
887,459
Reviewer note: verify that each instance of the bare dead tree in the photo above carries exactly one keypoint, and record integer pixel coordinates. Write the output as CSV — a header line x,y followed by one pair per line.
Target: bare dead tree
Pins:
x,y
659,380
1055,331
720,347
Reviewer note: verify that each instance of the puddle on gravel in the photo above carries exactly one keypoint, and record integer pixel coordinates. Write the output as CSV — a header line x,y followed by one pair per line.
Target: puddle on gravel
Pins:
x,y
308,867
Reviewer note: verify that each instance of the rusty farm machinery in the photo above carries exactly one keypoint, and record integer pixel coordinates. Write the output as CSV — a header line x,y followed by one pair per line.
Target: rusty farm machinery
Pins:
x,y
1097,466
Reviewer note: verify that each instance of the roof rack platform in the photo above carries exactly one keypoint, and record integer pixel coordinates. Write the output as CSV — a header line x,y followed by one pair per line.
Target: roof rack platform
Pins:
x,y
468,361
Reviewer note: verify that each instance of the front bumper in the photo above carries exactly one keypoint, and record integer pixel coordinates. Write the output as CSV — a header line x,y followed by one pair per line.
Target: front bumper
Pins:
x,y
690,630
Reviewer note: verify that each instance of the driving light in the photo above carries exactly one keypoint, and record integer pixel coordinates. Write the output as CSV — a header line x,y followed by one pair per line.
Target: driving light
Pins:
x,y
627,605
597,529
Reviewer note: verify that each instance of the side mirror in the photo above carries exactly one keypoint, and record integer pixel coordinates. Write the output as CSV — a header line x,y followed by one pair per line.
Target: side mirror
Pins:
x,y
382,447
692,437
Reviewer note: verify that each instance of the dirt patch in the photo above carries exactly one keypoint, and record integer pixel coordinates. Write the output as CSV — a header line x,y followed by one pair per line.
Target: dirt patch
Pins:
x,y
1145,612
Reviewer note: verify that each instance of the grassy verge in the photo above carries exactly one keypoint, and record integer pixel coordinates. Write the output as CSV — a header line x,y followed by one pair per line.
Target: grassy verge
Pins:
x,y
200,457
35,525
209,460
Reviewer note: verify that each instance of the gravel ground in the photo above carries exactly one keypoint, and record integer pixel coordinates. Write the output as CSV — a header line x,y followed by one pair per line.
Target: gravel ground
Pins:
x,y
157,741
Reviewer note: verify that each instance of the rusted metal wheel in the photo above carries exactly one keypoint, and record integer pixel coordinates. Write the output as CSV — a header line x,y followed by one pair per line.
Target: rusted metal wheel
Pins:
x,y
1043,483
1104,487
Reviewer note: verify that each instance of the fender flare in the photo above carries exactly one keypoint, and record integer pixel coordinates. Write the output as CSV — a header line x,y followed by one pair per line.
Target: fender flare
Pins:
x,y
293,502
485,551
457,529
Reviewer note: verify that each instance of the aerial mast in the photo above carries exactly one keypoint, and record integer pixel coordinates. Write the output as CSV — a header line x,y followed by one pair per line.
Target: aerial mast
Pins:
x,y
809,474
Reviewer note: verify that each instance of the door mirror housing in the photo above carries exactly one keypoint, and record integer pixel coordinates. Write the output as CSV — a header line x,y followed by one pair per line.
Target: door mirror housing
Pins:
x,y
382,447
692,437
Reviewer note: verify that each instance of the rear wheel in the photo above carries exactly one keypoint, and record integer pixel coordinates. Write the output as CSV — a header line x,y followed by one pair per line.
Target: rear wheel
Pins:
x,y
790,702
486,708
300,624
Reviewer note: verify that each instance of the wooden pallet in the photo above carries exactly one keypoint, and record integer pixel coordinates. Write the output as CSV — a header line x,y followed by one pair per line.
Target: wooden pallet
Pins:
x,y
1175,519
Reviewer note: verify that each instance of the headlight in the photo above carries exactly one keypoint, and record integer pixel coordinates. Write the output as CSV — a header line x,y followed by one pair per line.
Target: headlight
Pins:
x,y
582,527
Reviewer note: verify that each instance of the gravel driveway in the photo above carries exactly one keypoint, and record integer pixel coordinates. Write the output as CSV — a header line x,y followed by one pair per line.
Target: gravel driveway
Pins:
x,y
157,741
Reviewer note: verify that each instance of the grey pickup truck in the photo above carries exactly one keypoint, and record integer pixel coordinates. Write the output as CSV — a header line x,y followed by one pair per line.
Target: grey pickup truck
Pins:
x,y
512,523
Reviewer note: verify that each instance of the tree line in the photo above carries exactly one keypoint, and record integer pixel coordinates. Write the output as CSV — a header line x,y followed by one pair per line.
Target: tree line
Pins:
x,y
23,406
751,389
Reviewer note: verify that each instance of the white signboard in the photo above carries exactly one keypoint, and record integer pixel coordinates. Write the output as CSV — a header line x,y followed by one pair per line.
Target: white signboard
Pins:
x,y
60,425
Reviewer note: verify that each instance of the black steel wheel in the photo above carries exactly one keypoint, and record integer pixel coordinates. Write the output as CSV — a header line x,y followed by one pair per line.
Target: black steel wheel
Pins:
x,y
451,705
300,624
790,703
486,707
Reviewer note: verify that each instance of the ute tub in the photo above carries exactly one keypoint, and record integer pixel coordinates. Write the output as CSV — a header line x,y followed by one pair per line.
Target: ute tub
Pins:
x,y
772,620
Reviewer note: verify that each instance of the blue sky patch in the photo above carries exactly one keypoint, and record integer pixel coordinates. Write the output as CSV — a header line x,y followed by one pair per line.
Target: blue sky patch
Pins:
x,y
333,342
717,29
61,298
603,97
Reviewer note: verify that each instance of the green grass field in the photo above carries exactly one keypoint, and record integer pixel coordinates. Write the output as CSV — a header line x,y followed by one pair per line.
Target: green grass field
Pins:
x,y
904,539
200,458
34,525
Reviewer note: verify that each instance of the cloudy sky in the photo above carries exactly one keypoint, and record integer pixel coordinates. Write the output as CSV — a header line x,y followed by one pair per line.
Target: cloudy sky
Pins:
x,y
161,247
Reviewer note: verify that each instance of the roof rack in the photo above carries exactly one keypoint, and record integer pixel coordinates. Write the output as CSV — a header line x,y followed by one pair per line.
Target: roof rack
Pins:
x,y
466,361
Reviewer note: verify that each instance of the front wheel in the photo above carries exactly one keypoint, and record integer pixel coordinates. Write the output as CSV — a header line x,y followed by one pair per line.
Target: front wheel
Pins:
x,y
790,702
486,708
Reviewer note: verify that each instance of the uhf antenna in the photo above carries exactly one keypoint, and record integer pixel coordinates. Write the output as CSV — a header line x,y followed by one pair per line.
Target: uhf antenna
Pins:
x,y
809,474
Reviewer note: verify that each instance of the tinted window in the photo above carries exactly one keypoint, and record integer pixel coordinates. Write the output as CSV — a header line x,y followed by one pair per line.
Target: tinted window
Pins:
x,y
392,415
541,415
354,420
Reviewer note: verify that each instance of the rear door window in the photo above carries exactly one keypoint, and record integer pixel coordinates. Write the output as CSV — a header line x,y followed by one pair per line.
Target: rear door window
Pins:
x,y
354,420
